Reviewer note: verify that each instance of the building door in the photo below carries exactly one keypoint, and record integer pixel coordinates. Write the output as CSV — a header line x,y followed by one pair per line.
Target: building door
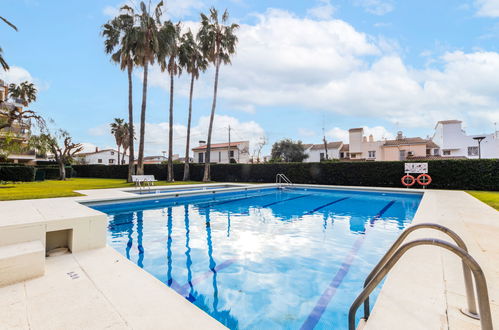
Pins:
x,y
201,157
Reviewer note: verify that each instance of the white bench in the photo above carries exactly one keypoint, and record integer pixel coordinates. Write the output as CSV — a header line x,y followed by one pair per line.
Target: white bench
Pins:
x,y
21,261
143,179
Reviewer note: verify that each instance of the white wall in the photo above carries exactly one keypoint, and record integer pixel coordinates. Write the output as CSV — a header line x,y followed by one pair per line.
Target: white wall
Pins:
x,y
314,156
104,156
220,155
453,138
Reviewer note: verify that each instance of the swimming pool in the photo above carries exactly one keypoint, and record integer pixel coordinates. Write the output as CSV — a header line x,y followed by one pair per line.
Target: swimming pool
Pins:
x,y
290,258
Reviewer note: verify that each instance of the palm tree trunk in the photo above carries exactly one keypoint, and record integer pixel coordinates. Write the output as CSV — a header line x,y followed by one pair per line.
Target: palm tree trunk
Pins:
x,y
186,160
118,155
131,167
140,164
170,133
206,176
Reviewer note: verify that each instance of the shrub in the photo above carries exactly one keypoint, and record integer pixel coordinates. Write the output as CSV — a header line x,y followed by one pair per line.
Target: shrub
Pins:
x,y
447,174
17,173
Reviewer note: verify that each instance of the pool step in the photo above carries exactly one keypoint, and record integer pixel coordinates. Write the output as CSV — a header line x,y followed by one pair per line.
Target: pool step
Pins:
x,y
21,261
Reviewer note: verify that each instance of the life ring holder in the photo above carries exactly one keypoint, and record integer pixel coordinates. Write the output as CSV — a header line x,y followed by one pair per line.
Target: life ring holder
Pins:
x,y
410,183
426,182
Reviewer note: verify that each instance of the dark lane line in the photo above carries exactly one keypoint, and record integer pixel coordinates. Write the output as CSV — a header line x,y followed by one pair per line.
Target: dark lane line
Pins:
x,y
328,294
231,200
380,213
285,200
326,205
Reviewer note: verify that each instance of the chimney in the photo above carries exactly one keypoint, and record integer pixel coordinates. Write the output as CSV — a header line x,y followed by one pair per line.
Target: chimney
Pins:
x,y
96,149
202,142
400,136
371,138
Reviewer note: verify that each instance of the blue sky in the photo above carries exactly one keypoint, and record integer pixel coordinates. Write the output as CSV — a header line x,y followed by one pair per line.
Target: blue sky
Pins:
x,y
301,66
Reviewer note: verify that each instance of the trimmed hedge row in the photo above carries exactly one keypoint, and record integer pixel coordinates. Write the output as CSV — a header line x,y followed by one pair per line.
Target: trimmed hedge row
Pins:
x,y
447,174
32,173
17,173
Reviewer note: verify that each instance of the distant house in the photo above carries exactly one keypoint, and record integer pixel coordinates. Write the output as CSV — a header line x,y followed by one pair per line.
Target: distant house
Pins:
x,y
454,142
317,152
223,153
101,157
159,159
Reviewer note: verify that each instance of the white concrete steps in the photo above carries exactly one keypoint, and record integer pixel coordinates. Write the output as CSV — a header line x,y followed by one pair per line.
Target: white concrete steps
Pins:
x,y
21,261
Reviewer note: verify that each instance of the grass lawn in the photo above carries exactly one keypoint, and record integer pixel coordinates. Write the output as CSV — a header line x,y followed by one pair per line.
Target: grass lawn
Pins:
x,y
55,188
488,197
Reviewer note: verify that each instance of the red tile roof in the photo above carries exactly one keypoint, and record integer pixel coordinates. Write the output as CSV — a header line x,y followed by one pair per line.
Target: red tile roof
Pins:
x,y
220,145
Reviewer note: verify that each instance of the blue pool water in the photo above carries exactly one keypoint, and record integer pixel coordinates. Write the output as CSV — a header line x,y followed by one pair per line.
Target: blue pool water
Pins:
x,y
268,259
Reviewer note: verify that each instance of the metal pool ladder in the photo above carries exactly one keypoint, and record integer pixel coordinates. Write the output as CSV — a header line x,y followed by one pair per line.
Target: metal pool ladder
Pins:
x,y
469,264
281,178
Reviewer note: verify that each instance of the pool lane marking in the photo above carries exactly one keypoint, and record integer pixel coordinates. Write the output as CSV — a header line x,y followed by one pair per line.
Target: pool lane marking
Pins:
x,y
326,205
285,200
232,200
328,294
380,213
183,290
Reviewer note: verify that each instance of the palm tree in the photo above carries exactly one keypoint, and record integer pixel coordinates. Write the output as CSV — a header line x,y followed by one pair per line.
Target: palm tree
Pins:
x,y
147,48
117,129
169,41
193,61
218,42
120,41
3,63
125,144
25,91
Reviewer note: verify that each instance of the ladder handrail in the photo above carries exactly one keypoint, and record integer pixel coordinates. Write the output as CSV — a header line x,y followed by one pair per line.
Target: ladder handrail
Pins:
x,y
479,277
470,292
280,177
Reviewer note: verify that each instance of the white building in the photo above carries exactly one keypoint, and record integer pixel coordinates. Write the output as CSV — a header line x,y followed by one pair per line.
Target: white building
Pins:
x,y
454,142
317,152
220,152
101,157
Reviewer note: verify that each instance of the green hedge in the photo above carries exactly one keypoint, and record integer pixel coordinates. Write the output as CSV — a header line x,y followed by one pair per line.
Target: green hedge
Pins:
x,y
17,173
447,174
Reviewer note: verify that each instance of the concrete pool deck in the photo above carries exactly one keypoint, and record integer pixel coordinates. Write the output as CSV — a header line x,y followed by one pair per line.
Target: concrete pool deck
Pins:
x,y
424,291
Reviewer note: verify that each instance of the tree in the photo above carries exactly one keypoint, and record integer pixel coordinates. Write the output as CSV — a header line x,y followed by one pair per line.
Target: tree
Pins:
x,y
3,63
146,50
26,93
126,143
169,42
121,41
288,151
218,42
60,145
117,129
193,61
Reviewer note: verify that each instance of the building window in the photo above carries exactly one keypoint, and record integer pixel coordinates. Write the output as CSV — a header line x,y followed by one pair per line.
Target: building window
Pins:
x,y
372,154
111,161
321,156
472,151
436,152
201,157
446,152
342,155
112,153
402,154
99,161
231,153
219,157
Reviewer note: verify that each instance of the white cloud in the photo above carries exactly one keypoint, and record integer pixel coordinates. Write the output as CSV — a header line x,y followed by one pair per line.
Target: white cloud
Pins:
x,y
324,10
487,8
375,7
378,132
15,75
156,140
101,130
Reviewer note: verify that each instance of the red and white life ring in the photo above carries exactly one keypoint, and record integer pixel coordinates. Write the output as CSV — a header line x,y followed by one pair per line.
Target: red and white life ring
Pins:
x,y
426,177
408,180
